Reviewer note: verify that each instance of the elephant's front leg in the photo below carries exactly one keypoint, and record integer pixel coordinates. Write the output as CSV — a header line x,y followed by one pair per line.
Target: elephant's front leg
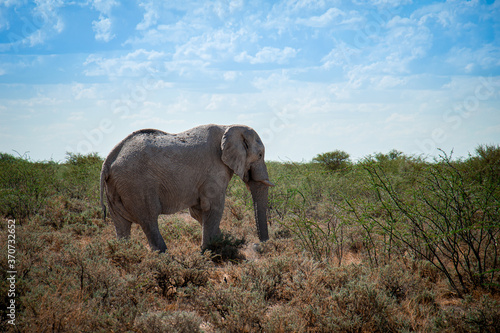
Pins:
x,y
211,208
210,221
210,224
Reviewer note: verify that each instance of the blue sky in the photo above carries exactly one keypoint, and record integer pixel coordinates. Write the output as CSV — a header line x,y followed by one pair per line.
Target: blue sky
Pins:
x,y
309,76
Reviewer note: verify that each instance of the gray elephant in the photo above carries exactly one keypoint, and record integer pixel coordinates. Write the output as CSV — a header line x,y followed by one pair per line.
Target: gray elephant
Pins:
x,y
152,172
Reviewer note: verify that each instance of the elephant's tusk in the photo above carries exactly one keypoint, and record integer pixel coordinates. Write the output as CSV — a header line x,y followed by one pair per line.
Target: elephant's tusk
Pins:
x,y
267,182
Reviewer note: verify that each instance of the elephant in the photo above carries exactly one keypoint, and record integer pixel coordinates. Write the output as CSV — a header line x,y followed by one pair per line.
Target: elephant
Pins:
x,y
152,172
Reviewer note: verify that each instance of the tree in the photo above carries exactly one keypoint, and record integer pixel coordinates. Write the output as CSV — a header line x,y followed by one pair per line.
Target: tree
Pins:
x,y
334,160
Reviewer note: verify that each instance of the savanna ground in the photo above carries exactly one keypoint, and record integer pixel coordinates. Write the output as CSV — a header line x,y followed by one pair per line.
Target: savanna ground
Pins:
x,y
391,243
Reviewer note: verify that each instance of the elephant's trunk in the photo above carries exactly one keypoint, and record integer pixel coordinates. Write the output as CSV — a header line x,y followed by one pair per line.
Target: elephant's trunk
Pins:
x,y
259,192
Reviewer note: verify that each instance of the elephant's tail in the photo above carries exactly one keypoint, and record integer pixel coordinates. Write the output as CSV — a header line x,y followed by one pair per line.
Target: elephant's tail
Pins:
x,y
104,176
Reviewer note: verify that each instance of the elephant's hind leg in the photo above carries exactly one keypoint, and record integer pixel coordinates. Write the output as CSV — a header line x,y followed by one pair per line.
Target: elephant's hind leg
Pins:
x,y
121,218
155,240
122,226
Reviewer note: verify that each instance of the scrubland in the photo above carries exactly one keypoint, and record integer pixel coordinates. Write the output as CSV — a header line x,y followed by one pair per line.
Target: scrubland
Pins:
x,y
391,243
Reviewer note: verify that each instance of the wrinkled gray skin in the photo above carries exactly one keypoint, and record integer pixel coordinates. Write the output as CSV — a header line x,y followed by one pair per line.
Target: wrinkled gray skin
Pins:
x,y
152,172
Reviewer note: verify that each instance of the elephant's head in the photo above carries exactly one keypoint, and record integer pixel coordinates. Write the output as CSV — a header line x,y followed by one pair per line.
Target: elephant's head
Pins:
x,y
243,152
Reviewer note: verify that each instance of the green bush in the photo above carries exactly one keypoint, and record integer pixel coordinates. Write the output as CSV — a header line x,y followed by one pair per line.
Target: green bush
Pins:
x,y
442,215
335,160
82,174
25,186
225,247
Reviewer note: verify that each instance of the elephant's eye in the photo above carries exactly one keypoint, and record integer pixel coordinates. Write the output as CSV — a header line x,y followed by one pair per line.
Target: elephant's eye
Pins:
x,y
260,156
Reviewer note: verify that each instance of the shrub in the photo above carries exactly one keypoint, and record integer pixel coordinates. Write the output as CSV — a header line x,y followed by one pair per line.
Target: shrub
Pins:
x,y
25,186
474,316
233,309
76,289
174,322
78,159
126,253
269,278
345,299
81,174
225,247
485,166
320,238
284,318
171,274
335,160
445,217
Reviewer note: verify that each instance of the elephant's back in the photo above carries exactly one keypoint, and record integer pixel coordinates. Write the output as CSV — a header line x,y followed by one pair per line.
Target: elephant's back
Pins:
x,y
153,151
139,147
142,139
158,151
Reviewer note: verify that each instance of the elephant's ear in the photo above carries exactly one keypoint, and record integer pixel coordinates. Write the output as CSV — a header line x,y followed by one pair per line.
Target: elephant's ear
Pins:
x,y
234,150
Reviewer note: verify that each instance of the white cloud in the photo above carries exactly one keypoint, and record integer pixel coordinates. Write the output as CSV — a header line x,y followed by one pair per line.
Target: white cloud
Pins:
x,y
104,6
268,55
9,3
188,68
81,91
392,3
392,53
437,13
454,16
215,102
102,29
228,76
331,15
469,67
467,59
36,38
397,21
385,45
300,6
39,24
4,22
76,116
137,63
163,34
275,80
212,46
389,82
222,8
341,54
400,118
151,16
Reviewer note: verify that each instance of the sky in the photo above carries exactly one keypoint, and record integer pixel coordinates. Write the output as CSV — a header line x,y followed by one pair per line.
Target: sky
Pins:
x,y
309,76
